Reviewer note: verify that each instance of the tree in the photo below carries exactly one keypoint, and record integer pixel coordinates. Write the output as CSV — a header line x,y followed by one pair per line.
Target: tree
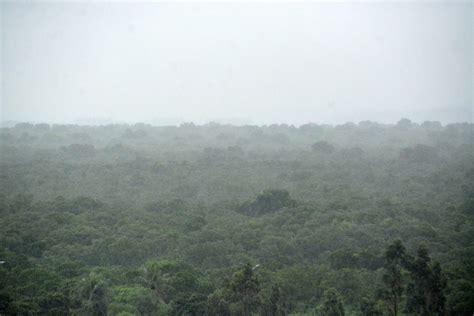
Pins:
x,y
425,292
178,285
438,283
404,123
136,298
158,275
323,147
396,259
332,304
276,305
80,150
217,305
92,296
369,307
419,153
189,305
268,201
244,290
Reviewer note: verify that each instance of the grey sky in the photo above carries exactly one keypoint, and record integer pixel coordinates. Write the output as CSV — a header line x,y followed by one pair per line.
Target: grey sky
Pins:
x,y
280,62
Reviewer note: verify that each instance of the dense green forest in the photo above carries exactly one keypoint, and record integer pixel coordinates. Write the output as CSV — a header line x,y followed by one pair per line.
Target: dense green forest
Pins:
x,y
354,219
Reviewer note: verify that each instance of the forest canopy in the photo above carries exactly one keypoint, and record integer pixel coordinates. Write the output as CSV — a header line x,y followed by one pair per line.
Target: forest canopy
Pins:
x,y
353,219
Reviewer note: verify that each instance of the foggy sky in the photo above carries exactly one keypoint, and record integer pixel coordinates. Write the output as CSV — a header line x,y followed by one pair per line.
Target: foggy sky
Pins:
x,y
258,63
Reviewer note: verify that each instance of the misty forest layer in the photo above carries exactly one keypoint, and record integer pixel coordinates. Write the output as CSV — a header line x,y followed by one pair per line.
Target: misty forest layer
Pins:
x,y
354,219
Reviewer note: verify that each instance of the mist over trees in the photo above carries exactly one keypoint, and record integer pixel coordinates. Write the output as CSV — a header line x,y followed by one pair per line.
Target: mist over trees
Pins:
x,y
352,219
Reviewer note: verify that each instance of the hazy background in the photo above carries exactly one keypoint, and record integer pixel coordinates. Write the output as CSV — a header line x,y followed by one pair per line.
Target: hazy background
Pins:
x,y
243,63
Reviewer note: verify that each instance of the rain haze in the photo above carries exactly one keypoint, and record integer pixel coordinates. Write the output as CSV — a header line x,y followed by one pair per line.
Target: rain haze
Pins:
x,y
240,63
237,158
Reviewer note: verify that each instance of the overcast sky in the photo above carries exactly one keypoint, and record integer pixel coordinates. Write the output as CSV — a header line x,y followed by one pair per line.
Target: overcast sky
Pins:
x,y
260,63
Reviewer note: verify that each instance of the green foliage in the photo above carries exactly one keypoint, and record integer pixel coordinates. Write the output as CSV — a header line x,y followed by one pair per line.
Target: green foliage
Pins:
x,y
396,260
244,291
370,307
426,291
133,299
217,305
190,305
425,285
332,304
179,286
145,220
419,154
91,293
323,147
267,202
276,304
